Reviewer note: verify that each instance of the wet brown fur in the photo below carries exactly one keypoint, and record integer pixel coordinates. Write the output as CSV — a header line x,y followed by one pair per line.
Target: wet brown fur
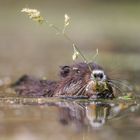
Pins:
x,y
73,80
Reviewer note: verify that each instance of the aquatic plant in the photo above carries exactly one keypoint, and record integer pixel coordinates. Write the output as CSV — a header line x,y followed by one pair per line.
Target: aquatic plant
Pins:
x,y
36,16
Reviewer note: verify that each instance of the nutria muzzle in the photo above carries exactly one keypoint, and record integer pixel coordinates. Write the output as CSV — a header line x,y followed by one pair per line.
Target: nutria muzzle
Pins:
x,y
99,89
98,86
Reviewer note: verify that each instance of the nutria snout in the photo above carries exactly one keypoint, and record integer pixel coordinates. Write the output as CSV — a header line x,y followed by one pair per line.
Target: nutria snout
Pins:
x,y
79,79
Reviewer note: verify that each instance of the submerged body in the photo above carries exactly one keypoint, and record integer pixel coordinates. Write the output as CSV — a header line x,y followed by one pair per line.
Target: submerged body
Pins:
x,y
77,80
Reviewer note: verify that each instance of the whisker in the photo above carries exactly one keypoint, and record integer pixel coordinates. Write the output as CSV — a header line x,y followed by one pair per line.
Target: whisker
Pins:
x,y
119,80
115,86
121,84
83,91
80,92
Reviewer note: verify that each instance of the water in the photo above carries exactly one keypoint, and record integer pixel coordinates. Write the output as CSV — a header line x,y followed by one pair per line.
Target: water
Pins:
x,y
28,48
35,119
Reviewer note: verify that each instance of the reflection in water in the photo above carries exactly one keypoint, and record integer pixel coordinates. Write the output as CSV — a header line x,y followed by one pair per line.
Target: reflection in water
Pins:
x,y
41,118
94,114
98,114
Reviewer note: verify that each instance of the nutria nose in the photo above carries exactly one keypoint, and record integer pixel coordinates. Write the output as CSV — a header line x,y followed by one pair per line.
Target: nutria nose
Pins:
x,y
98,75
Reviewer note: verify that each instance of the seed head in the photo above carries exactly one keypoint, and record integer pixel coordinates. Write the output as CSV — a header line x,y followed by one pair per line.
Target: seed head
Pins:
x,y
33,14
67,19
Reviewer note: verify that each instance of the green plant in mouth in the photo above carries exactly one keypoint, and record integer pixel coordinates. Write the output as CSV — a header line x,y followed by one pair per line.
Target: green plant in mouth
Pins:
x,y
101,86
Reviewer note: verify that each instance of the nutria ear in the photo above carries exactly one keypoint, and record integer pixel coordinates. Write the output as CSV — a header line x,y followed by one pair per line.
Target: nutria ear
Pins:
x,y
65,70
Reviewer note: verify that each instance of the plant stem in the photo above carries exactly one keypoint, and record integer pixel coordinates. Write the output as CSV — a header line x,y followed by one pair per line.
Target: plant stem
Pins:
x,y
67,38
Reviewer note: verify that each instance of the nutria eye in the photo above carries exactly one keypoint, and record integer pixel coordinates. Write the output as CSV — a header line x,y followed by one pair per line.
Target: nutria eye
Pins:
x,y
65,70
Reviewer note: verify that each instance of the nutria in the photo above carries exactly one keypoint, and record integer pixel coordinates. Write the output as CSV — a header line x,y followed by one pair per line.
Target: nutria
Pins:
x,y
76,80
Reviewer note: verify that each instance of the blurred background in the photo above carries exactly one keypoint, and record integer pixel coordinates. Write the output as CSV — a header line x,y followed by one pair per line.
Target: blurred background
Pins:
x,y
112,26
27,47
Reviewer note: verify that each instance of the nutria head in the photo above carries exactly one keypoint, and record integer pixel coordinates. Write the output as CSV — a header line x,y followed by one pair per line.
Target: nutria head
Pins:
x,y
80,80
